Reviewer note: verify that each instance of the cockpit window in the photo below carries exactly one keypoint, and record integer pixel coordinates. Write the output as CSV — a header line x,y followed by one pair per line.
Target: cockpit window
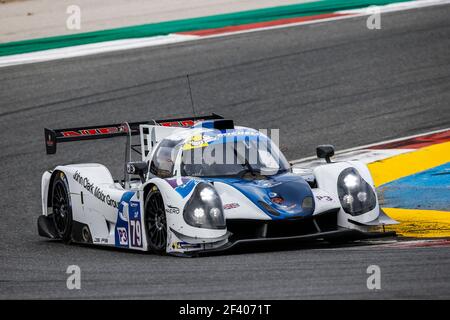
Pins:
x,y
232,157
164,158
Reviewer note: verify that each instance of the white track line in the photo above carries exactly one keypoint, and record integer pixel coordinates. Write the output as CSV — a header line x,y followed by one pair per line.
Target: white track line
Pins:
x,y
126,44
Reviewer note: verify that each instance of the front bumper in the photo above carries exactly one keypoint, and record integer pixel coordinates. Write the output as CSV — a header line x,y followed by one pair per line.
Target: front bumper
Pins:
x,y
321,227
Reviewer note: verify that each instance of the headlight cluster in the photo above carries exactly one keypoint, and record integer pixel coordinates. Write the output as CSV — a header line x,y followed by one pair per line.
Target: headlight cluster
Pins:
x,y
356,195
204,208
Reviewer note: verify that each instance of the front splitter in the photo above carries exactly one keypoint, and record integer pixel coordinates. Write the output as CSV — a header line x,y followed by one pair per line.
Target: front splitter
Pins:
x,y
346,235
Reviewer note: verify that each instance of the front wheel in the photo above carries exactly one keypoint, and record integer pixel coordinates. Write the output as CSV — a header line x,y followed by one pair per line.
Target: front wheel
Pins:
x,y
62,209
155,221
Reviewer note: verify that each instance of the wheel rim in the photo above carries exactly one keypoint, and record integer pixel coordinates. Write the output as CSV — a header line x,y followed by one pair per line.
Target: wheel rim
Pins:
x,y
156,221
60,204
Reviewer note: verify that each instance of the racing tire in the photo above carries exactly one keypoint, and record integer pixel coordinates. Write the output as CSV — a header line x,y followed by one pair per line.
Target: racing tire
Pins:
x,y
62,208
155,221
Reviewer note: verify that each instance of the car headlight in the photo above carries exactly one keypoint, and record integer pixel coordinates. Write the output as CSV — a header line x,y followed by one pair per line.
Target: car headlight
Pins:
x,y
355,194
204,208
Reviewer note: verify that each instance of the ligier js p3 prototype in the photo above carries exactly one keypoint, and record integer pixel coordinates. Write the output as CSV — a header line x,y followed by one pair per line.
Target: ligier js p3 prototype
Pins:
x,y
203,184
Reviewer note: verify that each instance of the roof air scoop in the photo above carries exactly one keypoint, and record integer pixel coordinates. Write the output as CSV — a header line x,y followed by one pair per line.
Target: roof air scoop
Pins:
x,y
219,124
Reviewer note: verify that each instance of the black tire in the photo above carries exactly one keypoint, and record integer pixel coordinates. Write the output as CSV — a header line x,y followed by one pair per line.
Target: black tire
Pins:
x,y
62,208
155,221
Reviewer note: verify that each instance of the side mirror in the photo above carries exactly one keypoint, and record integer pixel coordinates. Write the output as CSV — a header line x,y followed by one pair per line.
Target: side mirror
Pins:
x,y
138,168
325,151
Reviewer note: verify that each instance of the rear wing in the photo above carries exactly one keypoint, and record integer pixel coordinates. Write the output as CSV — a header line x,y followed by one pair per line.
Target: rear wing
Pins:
x,y
55,136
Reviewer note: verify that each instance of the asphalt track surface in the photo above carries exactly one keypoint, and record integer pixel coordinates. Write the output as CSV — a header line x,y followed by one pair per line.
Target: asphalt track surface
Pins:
x,y
334,82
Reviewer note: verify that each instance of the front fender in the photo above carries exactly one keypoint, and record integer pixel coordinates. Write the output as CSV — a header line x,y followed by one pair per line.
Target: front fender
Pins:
x,y
327,176
176,192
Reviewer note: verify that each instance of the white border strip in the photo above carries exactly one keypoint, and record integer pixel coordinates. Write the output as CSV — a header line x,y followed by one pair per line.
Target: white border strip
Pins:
x,y
408,5
341,152
126,44
392,7
93,48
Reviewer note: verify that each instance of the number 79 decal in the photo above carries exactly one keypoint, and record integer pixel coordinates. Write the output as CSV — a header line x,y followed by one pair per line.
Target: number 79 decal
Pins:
x,y
136,233
134,215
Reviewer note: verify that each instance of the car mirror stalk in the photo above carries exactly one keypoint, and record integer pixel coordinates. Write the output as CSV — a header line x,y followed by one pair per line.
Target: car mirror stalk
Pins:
x,y
138,168
325,151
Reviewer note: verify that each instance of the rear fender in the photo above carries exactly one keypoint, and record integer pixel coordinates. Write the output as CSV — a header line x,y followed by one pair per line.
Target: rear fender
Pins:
x,y
94,197
45,185
48,179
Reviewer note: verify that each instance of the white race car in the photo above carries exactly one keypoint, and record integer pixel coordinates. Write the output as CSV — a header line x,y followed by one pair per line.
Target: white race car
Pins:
x,y
203,185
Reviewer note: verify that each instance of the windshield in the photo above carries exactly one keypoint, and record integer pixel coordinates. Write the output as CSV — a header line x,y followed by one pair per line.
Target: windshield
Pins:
x,y
254,154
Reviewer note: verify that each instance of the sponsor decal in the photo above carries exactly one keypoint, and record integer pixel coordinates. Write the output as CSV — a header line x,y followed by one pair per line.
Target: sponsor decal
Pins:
x,y
238,133
183,123
134,204
131,169
100,240
198,141
185,245
277,200
232,136
324,198
172,210
94,132
123,236
95,191
229,206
